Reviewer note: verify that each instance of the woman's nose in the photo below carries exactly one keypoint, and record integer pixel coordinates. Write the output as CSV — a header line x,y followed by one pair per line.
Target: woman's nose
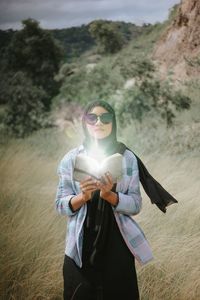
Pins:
x,y
98,121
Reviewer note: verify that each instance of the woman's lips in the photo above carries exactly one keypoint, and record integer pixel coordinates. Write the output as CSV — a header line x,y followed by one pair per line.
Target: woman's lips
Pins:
x,y
98,129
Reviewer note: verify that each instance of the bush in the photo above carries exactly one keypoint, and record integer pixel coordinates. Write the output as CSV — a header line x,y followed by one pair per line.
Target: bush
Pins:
x,y
84,85
151,95
25,110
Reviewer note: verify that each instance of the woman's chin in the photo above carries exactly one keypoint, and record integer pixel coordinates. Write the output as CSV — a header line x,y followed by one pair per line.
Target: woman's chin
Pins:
x,y
100,136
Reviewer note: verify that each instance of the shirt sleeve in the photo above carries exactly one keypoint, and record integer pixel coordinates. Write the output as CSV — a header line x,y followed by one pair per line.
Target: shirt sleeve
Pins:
x,y
130,200
65,190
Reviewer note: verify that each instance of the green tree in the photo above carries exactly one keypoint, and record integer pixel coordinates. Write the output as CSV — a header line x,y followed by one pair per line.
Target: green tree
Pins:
x,y
152,95
25,110
36,53
5,83
107,35
149,94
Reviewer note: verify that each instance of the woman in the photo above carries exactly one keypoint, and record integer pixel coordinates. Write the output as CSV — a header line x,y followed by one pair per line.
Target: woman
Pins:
x,y
102,240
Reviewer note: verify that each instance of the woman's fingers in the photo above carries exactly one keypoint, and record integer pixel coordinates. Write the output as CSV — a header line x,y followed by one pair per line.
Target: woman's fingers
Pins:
x,y
88,185
89,188
88,180
84,185
109,178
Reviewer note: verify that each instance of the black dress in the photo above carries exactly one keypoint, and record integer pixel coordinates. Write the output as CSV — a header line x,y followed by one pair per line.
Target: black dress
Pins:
x,y
113,276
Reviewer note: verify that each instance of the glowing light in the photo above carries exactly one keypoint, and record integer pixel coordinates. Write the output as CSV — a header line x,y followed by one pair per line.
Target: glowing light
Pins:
x,y
97,152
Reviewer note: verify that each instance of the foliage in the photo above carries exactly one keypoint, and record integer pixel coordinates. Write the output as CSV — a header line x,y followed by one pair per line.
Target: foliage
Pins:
x,y
5,83
107,79
151,95
137,68
25,110
5,38
133,105
173,13
72,86
33,51
75,41
103,81
193,62
85,80
65,71
148,93
107,36
83,85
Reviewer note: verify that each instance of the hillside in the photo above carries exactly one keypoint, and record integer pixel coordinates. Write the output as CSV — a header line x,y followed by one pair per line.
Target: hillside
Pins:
x,y
178,49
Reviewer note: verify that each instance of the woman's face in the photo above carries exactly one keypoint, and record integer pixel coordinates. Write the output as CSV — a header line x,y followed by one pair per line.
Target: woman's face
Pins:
x,y
99,130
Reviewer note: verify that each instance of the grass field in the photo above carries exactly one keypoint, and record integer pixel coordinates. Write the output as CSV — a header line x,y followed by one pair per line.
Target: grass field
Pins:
x,y
32,234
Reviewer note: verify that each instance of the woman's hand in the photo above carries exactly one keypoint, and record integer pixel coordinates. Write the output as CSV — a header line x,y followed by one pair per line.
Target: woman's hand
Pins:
x,y
105,185
88,186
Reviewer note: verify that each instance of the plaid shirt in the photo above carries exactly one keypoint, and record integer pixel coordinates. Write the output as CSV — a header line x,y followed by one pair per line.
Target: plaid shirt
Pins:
x,y
130,203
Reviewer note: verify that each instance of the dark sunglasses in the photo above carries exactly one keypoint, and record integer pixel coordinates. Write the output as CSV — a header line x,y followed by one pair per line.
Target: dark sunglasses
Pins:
x,y
92,119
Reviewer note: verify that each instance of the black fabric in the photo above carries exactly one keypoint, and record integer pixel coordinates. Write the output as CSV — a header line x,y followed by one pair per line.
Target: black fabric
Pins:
x,y
155,191
97,218
96,229
116,279
76,287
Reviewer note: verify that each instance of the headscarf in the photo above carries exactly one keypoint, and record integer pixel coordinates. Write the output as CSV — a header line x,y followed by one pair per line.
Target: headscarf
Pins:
x,y
98,210
108,144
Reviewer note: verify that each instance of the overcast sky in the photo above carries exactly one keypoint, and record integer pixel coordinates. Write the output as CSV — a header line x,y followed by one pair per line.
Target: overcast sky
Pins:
x,y
68,13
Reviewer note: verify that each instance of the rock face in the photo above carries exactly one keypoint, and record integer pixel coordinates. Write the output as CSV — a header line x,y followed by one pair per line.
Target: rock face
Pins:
x,y
179,48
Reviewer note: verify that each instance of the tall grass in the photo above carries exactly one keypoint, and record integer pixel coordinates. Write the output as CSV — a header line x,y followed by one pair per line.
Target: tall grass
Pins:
x,y
32,234
175,272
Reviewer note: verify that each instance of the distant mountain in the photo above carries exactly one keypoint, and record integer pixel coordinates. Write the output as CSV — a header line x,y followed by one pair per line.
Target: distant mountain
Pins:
x,y
77,40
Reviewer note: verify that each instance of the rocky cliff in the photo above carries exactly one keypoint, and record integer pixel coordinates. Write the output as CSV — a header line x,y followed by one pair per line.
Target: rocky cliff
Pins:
x,y
179,48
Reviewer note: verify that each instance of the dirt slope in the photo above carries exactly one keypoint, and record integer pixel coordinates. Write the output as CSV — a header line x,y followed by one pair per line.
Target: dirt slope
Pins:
x,y
179,47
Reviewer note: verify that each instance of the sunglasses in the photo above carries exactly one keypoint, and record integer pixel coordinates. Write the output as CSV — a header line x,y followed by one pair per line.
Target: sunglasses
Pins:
x,y
92,119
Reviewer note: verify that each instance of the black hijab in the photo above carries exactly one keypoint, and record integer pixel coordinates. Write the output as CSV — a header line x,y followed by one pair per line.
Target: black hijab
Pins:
x,y
98,210
98,218
108,144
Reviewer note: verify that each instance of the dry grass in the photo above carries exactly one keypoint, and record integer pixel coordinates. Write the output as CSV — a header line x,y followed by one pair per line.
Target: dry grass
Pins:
x,y
174,236
32,234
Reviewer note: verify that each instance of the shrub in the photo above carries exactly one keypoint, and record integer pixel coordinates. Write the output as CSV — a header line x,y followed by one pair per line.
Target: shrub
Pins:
x,y
25,110
151,95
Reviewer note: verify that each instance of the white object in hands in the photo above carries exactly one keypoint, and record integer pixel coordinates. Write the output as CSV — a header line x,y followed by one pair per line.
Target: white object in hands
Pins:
x,y
87,166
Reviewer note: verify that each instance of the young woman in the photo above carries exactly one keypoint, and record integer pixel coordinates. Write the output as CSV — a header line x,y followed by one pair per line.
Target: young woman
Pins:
x,y
102,240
